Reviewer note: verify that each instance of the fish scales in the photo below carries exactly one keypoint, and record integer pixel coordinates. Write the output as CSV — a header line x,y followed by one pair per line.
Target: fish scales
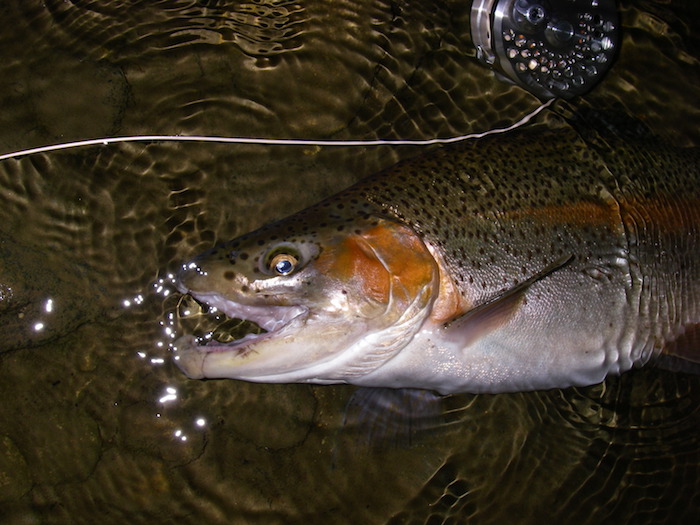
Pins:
x,y
536,259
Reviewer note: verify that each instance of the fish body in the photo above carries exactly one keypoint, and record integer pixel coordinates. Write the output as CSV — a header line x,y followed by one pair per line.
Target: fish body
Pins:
x,y
533,260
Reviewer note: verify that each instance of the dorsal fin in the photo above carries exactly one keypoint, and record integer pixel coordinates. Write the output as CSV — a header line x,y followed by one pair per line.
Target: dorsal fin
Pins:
x,y
496,311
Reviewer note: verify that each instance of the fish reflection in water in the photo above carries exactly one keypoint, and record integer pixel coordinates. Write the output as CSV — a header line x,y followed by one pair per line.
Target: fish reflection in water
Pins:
x,y
546,258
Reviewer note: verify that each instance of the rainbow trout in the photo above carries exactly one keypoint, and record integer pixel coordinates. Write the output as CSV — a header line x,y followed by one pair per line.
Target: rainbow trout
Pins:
x,y
538,259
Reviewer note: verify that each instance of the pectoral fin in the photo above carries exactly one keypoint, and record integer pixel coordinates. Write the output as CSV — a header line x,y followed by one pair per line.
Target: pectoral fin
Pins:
x,y
387,418
495,312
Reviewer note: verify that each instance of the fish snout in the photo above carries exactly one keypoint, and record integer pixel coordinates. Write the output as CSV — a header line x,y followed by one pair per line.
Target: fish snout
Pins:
x,y
190,273
217,270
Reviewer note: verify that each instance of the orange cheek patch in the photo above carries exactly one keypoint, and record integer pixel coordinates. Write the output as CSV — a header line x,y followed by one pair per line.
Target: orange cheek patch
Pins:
x,y
367,271
404,254
351,263
372,260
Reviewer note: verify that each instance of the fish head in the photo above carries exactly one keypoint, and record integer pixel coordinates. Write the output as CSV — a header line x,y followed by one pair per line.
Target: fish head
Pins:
x,y
337,298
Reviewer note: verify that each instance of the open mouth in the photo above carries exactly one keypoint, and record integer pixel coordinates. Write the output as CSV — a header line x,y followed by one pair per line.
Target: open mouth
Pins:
x,y
220,325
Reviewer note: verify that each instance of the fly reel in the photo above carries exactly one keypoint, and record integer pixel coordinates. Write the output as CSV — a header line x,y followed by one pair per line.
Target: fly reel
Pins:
x,y
552,48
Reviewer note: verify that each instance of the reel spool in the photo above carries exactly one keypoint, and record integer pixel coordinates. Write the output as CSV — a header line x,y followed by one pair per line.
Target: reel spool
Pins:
x,y
552,48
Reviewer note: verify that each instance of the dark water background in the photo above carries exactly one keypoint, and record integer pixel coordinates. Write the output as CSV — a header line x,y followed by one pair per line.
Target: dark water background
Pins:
x,y
97,425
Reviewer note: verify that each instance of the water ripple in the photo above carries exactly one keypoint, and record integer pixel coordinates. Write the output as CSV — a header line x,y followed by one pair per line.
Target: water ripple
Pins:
x,y
259,28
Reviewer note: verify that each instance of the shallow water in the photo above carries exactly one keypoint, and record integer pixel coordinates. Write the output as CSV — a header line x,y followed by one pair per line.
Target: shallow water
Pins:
x,y
95,421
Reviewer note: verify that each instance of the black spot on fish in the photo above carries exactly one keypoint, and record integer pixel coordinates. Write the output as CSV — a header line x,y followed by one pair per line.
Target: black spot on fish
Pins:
x,y
229,275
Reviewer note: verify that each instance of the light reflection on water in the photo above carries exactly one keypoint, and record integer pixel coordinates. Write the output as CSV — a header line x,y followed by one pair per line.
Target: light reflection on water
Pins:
x,y
97,422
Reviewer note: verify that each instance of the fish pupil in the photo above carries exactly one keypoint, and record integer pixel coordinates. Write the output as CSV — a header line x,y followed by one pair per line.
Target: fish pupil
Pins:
x,y
284,267
283,264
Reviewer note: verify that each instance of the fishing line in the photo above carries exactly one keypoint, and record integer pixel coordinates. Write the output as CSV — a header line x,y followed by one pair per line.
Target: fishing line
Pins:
x,y
273,142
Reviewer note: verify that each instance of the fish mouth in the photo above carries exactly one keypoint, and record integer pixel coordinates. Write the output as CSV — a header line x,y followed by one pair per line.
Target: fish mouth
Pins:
x,y
269,318
191,351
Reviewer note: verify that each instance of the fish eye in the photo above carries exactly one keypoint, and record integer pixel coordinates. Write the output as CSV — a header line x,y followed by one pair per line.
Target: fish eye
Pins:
x,y
286,258
283,264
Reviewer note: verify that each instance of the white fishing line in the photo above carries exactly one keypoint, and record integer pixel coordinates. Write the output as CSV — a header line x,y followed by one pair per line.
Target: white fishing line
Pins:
x,y
271,142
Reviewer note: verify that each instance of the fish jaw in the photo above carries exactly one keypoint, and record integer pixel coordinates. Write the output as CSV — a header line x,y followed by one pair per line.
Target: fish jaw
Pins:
x,y
301,350
220,360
